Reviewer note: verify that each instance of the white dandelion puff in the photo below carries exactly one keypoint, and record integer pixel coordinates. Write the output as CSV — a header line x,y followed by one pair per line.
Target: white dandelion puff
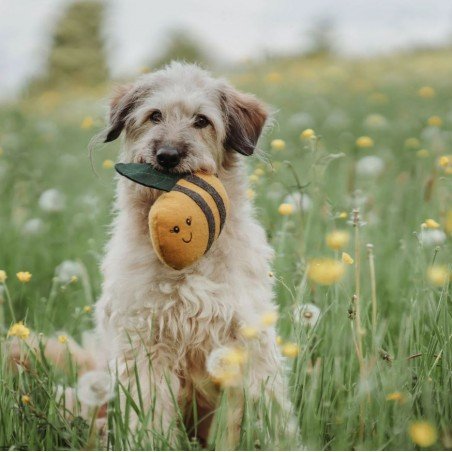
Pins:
x,y
307,314
299,201
370,165
67,270
52,200
95,388
34,226
224,365
433,237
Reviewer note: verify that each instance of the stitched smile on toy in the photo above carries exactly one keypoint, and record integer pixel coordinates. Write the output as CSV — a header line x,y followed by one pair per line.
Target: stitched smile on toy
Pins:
x,y
188,241
176,230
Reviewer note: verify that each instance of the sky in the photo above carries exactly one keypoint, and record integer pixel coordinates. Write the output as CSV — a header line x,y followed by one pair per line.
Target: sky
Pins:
x,y
233,30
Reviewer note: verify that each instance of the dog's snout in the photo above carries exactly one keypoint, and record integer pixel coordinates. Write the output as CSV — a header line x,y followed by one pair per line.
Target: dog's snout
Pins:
x,y
168,157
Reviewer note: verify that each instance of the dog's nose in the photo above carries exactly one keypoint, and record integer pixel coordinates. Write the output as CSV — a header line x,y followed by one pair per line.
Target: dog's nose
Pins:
x,y
168,157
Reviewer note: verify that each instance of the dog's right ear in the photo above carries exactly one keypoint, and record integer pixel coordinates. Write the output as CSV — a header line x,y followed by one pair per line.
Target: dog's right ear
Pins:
x,y
121,105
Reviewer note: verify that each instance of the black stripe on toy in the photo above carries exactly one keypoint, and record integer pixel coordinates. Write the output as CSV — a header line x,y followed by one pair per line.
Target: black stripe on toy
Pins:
x,y
199,200
212,192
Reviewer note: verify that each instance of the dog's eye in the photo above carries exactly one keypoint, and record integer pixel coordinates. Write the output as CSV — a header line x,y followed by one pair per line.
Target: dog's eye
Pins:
x,y
156,116
201,121
188,221
175,229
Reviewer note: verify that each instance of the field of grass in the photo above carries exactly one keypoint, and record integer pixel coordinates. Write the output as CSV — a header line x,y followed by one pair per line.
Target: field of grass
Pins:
x,y
375,370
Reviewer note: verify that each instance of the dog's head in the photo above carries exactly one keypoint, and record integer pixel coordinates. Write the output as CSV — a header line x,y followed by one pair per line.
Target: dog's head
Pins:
x,y
180,119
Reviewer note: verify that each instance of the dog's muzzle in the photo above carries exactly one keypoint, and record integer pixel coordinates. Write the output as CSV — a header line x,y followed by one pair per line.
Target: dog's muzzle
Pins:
x,y
168,157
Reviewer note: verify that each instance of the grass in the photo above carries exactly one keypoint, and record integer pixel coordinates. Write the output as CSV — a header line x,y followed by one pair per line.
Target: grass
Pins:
x,y
340,380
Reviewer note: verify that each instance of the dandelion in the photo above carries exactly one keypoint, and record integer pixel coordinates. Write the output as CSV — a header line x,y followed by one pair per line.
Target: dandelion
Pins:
x,y
423,153
395,397
364,142
290,350
426,92
299,201
24,277
370,165
19,330
108,164
253,178
285,209
423,433
347,259
74,279
433,237
25,399
343,215
438,275
444,161
87,309
67,271
224,365
325,271
376,121
432,224
249,332
269,318
307,314
435,121
62,339
87,122
337,239
95,388
279,340
412,143
52,200
3,276
278,144
259,172
250,194
307,134
274,77
34,226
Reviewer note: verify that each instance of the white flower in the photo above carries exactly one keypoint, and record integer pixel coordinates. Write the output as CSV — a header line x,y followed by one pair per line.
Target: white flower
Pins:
x,y
433,237
307,314
95,388
52,200
301,120
376,121
68,160
337,120
299,201
370,165
34,226
67,269
224,365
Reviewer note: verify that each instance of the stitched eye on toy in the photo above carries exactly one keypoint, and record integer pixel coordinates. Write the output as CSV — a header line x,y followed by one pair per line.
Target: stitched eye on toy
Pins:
x,y
175,229
156,116
188,221
201,121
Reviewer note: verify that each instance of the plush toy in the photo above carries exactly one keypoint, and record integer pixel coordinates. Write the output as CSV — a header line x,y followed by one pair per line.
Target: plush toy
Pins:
x,y
184,222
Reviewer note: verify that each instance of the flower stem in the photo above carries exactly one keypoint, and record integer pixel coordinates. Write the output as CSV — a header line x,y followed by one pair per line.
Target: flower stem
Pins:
x,y
373,285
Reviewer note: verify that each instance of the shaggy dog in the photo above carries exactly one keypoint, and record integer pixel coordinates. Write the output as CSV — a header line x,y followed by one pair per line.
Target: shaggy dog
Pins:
x,y
163,331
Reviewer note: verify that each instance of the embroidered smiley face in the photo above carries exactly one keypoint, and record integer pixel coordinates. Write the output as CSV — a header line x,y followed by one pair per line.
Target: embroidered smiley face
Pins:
x,y
176,230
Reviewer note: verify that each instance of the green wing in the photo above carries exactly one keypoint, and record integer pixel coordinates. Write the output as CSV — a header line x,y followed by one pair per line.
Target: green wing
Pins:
x,y
145,174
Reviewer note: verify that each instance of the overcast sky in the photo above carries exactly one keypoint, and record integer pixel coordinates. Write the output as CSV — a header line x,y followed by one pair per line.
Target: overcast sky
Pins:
x,y
232,29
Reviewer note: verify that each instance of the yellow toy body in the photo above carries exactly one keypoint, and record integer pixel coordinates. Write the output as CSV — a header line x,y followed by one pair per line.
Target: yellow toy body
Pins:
x,y
184,222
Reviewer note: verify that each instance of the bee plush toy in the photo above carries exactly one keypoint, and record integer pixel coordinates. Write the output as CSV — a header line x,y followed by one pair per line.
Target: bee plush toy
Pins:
x,y
185,221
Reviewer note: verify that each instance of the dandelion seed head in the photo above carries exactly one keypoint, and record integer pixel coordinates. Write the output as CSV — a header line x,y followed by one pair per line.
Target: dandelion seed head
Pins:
x,y
33,226
67,271
307,314
52,200
95,388
224,365
370,165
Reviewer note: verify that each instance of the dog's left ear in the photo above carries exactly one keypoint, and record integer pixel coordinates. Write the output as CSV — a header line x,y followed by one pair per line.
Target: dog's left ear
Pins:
x,y
245,118
121,105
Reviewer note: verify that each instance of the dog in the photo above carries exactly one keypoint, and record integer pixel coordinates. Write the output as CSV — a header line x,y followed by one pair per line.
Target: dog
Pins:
x,y
158,327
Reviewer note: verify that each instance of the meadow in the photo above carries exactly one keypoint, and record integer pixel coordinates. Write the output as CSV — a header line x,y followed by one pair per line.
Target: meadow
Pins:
x,y
358,161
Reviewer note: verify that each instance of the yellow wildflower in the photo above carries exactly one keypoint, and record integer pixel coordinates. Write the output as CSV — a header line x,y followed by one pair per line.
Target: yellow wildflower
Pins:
x,y
364,142
259,172
24,277
224,365
423,153
412,143
423,433
87,122
73,279
343,215
253,178
19,330
444,161
285,209
396,397
3,276
249,332
108,164
426,92
435,121
347,259
269,318
290,350
432,224
278,144
337,239
306,134
26,399
62,339
274,77
438,275
279,340
87,309
325,271
250,194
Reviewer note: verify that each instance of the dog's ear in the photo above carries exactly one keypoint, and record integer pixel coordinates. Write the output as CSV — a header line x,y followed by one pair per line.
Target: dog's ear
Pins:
x,y
245,118
122,103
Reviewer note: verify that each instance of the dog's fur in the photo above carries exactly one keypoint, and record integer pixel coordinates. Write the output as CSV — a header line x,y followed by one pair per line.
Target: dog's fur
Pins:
x,y
161,323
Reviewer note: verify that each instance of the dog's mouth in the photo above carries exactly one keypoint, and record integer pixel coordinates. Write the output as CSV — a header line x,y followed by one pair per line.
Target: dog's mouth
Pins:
x,y
189,240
